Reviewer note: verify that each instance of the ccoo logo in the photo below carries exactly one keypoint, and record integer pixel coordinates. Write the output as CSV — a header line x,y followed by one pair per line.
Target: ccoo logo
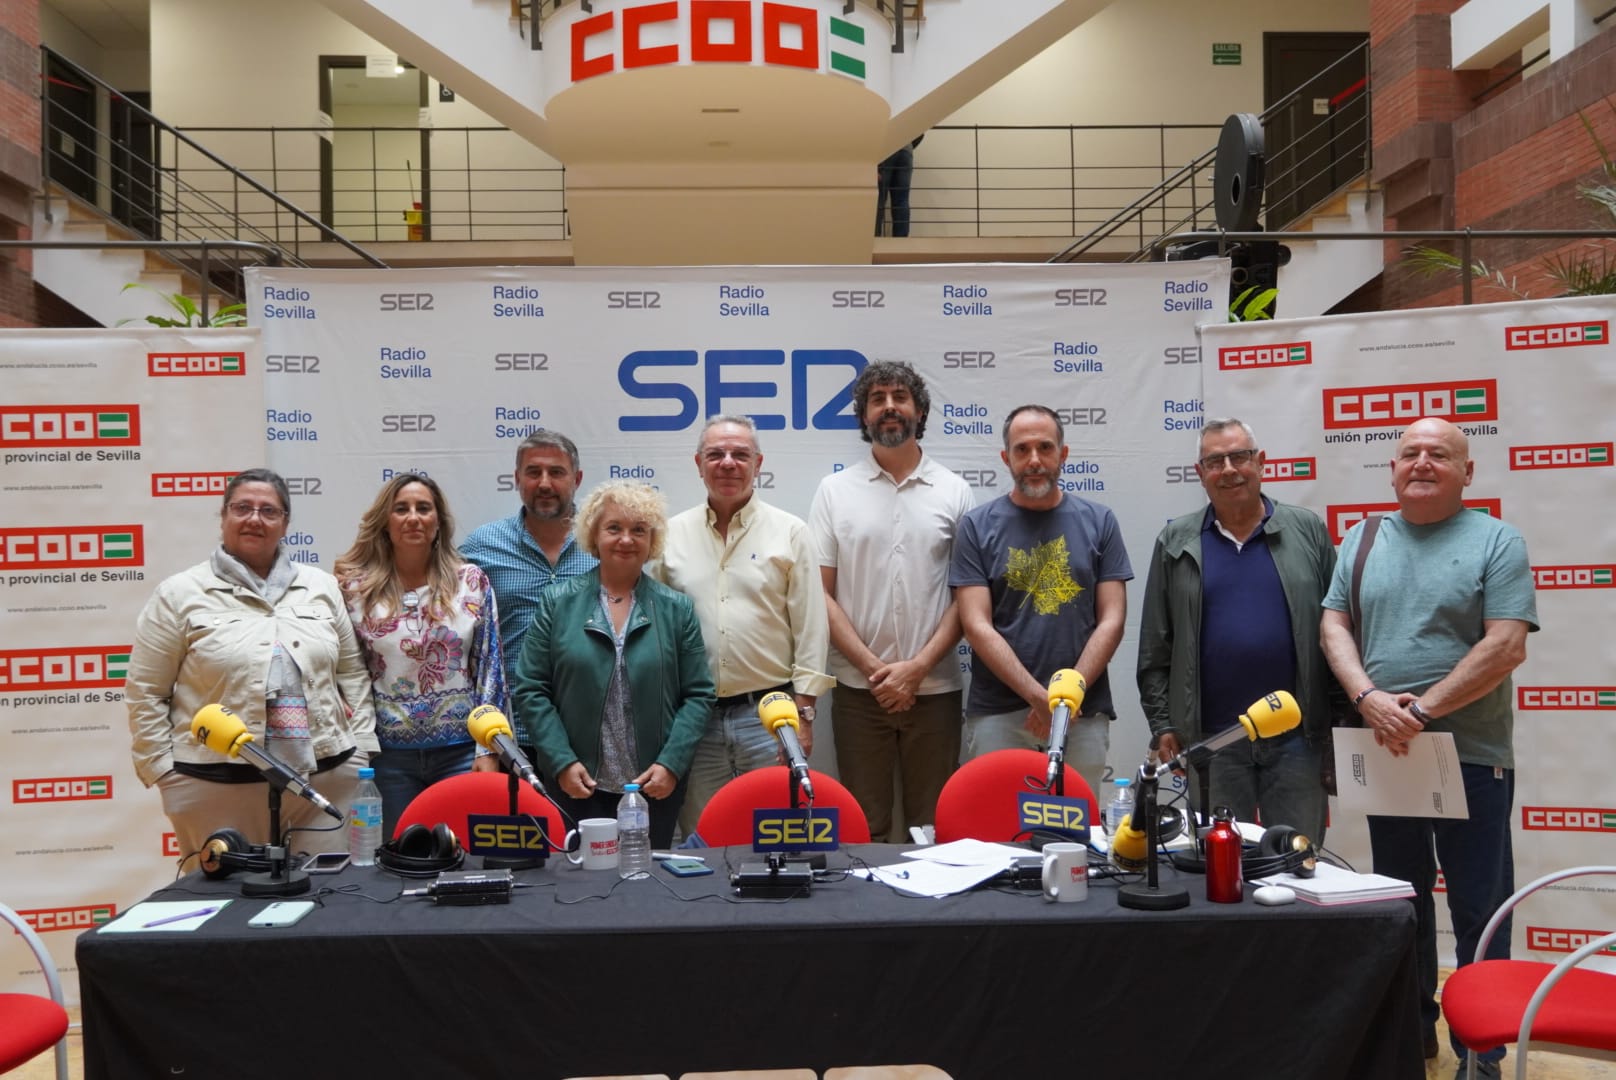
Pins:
x,y
1378,406
1556,335
1296,468
1576,698
65,426
1342,518
1561,456
63,667
195,364
61,789
75,547
1574,577
1244,357
1558,940
1568,818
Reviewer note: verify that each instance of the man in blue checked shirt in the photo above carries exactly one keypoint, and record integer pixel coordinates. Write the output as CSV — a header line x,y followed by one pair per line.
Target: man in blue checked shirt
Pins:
x,y
525,553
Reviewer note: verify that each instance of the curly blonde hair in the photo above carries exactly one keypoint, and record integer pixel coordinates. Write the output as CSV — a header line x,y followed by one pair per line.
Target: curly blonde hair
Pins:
x,y
640,501
366,570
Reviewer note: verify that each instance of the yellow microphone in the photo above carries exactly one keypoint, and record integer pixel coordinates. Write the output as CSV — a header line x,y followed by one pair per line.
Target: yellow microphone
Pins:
x,y
223,732
493,732
1130,847
1066,690
778,712
1270,715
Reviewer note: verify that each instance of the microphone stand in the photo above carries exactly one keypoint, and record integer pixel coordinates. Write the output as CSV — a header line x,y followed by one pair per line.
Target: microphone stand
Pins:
x,y
513,862
1151,895
1194,862
279,880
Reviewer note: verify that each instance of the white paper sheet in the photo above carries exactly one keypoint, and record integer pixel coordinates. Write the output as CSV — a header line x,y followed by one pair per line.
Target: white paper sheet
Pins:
x,y
1425,782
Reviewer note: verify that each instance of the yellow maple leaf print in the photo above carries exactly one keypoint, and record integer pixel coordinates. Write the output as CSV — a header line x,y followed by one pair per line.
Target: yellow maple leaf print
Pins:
x,y
1041,573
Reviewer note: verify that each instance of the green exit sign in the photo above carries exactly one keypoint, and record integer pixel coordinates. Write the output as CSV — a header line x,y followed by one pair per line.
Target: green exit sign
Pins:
x,y
1226,52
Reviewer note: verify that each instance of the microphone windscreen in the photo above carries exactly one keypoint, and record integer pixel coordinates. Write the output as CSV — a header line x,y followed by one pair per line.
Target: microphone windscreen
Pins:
x,y
1067,686
776,709
1129,846
485,722
219,729
1274,715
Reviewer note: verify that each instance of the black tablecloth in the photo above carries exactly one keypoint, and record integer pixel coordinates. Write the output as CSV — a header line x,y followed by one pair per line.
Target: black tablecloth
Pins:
x,y
665,976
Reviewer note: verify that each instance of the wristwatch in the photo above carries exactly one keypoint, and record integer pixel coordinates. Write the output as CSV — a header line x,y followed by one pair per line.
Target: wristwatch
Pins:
x,y
806,713
1420,714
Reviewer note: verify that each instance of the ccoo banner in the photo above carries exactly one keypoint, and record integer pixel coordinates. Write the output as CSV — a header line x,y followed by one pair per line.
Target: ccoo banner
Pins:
x,y
114,449
1533,385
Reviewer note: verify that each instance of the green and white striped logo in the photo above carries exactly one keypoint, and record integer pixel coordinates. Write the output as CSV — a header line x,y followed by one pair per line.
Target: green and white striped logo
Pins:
x,y
1469,400
117,665
118,545
846,47
112,425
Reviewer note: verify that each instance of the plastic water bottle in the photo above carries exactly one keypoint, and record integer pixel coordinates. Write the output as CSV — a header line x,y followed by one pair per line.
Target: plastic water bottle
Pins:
x,y
633,834
1121,804
365,821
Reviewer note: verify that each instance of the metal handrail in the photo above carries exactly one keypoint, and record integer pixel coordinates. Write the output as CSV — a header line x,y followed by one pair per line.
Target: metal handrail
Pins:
x,y
272,255
160,126
1188,174
1464,236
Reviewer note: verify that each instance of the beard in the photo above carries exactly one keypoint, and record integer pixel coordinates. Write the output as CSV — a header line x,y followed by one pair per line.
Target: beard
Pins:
x,y
892,438
560,509
1035,485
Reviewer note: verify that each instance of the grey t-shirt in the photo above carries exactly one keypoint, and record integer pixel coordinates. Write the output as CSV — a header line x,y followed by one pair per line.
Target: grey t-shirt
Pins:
x,y
1427,593
1041,568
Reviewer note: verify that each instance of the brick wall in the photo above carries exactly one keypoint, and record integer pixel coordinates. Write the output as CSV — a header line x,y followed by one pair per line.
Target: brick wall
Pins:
x,y
1513,161
19,156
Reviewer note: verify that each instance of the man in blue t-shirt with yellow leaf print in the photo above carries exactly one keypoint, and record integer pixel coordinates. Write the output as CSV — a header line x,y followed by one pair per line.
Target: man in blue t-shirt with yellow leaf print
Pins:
x,y
1039,578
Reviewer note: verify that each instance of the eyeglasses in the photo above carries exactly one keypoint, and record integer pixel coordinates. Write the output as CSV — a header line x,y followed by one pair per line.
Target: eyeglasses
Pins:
x,y
269,515
1237,458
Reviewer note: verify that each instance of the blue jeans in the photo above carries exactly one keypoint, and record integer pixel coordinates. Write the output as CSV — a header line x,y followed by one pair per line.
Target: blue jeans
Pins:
x,y
1088,742
735,742
403,774
1478,865
1280,775
892,179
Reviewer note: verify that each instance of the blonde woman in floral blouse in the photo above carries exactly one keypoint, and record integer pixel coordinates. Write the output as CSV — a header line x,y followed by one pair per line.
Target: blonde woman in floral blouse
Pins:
x,y
429,628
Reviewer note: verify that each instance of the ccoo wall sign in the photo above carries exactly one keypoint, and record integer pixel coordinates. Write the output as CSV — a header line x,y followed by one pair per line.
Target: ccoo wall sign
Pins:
x,y
717,32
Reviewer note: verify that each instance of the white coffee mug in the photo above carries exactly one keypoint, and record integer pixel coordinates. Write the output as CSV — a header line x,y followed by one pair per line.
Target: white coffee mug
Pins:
x,y
1066,873
597,844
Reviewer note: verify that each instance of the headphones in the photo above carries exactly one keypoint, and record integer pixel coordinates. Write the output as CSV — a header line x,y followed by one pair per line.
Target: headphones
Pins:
x,y
1282,850
229,850
420,852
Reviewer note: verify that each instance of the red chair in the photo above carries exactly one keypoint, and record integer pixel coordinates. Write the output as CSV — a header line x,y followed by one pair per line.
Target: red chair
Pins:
x,y
727,818
1540,1006
979,802
451,801
30,1024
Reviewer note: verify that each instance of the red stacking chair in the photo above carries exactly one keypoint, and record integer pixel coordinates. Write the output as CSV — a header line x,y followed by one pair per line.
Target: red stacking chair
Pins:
x,y
1540,1006
451,801
29,1023
727,818
979,801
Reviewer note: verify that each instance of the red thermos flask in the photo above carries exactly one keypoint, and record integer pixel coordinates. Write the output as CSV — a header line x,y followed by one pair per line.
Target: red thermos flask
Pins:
x,y
1223,859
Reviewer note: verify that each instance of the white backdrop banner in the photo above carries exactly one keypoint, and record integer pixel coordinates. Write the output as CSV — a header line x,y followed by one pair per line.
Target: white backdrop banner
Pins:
x,y
114,449
446,371
1533,385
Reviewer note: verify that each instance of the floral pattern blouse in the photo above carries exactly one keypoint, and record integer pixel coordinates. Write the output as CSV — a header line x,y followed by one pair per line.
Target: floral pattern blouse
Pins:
x,y
427,675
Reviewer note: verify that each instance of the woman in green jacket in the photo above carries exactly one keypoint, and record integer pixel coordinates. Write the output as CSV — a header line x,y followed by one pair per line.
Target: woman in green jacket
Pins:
x,y
612,682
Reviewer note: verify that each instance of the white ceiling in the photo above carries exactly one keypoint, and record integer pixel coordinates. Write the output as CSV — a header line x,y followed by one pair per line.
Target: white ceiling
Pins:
x,y
111,24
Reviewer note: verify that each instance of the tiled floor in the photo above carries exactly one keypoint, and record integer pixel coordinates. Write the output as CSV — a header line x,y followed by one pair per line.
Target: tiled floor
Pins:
x,y
1544,1067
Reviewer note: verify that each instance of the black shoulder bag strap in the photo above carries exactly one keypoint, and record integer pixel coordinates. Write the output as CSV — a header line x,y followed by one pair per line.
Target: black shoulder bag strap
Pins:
x,y
1365,542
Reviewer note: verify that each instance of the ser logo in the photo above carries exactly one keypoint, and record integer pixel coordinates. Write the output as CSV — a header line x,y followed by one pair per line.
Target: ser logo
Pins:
x,y
61,789
1080,298
764,481
631,300
303,485
1574,577
1556,335
1378,406
63,668
1182,474
394,423
290,364
804,391
1181,354
1575,698
1558,940
1243,357
195,364
45,920
1092,416
970,358
858,298
64,426
1568,819
407,301
73,547
521,361
981,479
1561,456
